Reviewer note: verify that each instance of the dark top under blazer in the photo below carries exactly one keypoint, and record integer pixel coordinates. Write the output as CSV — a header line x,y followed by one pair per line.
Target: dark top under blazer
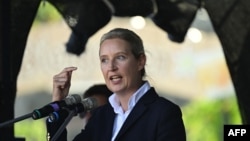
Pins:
x,y
152,119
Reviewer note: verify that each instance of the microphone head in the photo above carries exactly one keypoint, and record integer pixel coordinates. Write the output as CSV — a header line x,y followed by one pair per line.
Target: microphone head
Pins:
x,y
89,103
73,99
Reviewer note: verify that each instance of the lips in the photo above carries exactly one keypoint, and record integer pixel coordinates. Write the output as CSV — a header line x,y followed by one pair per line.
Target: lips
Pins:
x,y
115,78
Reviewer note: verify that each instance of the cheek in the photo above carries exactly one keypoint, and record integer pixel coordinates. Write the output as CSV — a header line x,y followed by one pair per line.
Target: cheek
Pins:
x,y
128,70
102,67
131,67
104,70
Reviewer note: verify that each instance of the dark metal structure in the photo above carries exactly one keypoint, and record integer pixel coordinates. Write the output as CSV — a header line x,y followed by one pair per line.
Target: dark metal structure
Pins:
x,y
230,19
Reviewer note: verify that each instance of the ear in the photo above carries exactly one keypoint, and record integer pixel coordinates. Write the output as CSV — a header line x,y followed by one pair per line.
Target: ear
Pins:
x,y
142,61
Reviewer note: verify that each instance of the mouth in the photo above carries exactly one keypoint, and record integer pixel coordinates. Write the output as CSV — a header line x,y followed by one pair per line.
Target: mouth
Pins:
x,y
115,78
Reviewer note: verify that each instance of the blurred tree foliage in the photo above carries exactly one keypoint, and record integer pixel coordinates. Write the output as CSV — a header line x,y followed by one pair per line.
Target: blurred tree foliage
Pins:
x,y
47,13
31,130
204,120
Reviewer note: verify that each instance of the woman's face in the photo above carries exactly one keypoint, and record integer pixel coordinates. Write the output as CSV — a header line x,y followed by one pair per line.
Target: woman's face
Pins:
x,y
120,68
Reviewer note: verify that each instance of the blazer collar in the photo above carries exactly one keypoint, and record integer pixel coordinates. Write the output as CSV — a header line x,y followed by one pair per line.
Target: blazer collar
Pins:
x,y
138,111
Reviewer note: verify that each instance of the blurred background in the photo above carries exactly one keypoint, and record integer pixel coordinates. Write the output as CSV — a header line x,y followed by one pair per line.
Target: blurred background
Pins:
x,y
192,74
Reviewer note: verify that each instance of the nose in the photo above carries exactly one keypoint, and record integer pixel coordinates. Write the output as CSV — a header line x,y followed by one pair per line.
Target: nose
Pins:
x,y
112,65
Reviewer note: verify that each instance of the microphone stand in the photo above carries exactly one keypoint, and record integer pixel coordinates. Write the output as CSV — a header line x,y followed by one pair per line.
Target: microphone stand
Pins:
x,y
16,120
65,123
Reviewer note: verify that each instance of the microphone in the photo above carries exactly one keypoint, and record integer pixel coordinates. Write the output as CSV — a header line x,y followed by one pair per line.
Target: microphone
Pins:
x,y
56,106
87,104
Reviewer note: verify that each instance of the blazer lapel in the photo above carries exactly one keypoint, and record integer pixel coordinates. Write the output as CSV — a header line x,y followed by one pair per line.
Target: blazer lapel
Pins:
x,y
110,116
137,111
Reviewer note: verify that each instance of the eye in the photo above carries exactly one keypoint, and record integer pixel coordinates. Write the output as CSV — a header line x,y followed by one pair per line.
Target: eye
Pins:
x,y
121,57
104,60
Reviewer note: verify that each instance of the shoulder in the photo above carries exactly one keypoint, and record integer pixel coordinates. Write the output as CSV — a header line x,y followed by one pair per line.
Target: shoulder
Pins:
x,y
153,96
167,104
159,103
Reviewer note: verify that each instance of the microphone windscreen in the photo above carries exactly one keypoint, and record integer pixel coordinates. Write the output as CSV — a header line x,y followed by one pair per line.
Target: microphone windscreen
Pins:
x,y
73,99
89,103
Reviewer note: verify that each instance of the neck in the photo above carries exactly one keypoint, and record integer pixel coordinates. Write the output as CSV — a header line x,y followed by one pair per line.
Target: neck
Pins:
x,y
123,99
125,96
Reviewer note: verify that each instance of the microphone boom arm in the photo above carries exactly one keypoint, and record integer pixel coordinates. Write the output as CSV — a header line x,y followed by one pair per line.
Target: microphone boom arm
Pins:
x,y
16,120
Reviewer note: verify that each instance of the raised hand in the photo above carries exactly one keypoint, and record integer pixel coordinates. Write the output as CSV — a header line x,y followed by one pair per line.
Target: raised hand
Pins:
x,y
61,83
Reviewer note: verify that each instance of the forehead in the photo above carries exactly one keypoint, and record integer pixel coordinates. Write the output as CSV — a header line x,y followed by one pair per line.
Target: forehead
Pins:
x,y
114,44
